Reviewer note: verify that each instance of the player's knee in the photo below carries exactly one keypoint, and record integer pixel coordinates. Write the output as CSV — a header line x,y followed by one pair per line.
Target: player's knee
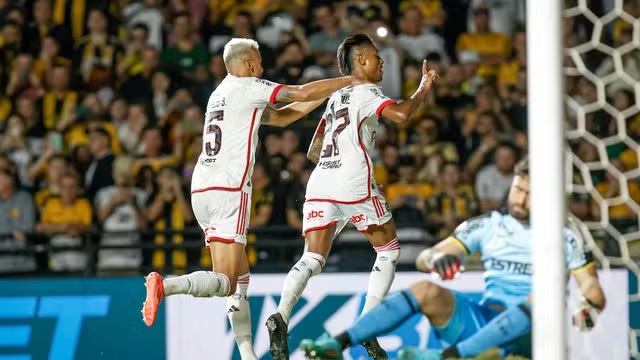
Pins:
x,y
312,262
233,284
390,250
426,293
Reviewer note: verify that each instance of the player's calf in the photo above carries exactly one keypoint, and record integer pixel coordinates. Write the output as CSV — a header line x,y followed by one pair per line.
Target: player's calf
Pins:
x,y
382,273
310,264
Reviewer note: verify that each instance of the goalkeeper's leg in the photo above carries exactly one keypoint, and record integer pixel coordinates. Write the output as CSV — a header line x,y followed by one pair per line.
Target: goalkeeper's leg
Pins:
x,y
430,299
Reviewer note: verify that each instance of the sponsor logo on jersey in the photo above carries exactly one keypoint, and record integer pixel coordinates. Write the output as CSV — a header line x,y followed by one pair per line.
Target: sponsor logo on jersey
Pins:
x,y
513,267
265,82
330,164
345,99
357,218
216,103
376,92
315,215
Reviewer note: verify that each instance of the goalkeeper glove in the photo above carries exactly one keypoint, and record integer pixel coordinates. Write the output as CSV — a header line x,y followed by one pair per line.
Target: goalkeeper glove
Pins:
x,y
443,264
585,316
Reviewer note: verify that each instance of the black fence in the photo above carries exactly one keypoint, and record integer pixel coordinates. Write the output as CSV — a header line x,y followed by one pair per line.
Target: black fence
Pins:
x,y
270,250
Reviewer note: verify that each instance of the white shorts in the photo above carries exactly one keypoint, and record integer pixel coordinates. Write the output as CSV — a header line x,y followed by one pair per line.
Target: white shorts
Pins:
x,y
223,215
320,215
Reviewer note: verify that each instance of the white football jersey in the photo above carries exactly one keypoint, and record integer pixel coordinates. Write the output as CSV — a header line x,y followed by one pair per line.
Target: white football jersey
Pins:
x,y
230,133
344,173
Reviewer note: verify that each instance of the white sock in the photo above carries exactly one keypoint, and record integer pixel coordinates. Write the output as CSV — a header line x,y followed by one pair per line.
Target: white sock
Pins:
x,y
310,264
382,273
240,318
198,284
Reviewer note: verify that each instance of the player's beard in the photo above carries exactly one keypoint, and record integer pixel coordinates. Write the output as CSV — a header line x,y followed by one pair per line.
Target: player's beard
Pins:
x,y
522,214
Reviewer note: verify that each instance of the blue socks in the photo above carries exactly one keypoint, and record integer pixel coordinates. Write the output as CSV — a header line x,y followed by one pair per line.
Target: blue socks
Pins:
x,y
386,316
508,326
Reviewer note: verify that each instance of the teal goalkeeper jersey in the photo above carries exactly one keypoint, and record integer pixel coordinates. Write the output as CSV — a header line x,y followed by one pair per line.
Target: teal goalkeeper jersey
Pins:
x,y
505,246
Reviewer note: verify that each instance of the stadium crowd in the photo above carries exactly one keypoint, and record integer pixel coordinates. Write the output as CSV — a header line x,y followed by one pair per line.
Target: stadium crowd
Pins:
x,y
102,107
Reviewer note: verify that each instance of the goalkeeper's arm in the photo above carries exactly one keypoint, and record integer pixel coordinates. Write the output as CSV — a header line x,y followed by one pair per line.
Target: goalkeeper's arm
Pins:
x,y
592,301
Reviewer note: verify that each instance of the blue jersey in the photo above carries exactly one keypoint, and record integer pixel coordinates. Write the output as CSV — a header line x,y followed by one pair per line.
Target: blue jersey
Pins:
x,y
505,246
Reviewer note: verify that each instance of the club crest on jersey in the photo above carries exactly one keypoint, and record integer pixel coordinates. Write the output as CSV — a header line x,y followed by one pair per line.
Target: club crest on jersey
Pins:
x,y
345,99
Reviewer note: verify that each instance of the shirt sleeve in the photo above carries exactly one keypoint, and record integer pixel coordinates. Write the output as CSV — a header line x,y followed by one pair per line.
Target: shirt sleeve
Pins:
x,y
471,233
577,256
263,92
322,124
374,102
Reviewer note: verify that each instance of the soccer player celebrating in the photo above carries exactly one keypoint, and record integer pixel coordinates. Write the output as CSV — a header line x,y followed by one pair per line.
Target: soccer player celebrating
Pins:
x,y
221,186
342,189
503,316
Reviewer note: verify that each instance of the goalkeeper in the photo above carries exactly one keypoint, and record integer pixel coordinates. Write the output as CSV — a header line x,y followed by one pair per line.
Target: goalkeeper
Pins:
x,y
503,317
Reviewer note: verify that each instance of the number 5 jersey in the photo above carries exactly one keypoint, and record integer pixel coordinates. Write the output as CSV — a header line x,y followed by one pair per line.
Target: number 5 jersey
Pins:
x,y
230,136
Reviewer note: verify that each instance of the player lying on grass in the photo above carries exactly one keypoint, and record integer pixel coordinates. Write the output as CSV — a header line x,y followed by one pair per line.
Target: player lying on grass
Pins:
x,y
503,317
221,184
342,188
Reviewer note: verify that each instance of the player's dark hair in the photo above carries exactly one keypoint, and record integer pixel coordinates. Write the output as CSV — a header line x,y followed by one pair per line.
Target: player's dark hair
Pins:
x,y
345,51
522,167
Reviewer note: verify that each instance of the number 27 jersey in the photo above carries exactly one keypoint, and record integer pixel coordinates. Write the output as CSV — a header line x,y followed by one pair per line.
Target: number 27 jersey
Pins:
x,y
344,173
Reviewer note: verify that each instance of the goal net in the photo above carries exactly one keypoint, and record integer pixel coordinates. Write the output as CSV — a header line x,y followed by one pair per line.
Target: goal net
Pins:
x,y
602,77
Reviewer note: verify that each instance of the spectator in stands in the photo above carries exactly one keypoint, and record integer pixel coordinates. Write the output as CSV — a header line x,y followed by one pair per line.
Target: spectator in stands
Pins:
x,y
97,55
407,197
386,171
17,219
262,196
168,211
426,142
296,197
493,181
187,52
452,201
146,12
120,210
504,14
414,40
22,79
99,174
56,165
15,145
152,153
325,42
132,61
65,218
509,70
493,47
59,102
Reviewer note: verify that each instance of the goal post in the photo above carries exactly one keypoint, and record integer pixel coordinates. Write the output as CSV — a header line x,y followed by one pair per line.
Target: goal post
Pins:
x,y
546,156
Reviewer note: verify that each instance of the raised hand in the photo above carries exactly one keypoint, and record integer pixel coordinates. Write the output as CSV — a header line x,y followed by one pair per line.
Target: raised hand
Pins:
x,y
428,77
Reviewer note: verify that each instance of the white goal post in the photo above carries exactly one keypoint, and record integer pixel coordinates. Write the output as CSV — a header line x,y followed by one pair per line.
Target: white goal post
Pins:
x,y
546,155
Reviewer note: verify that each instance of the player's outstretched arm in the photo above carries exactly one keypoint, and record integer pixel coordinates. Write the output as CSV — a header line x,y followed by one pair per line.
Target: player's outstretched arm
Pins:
x,y
288,114
592,301
402,112
314,90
